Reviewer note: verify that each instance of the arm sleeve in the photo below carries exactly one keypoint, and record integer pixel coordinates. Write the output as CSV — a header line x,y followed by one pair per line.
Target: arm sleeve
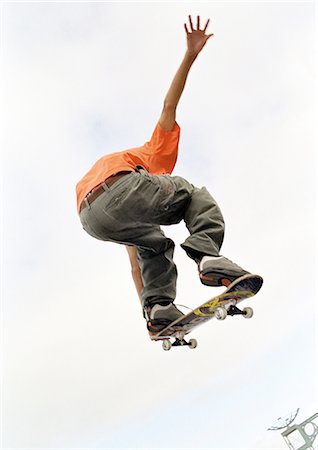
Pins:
x,y
162,149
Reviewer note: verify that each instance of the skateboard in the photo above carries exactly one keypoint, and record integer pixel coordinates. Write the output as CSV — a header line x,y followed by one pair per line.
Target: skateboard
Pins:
x,y
220,307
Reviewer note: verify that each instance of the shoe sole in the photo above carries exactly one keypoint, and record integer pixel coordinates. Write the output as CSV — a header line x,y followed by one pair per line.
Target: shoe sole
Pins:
x,y
215,278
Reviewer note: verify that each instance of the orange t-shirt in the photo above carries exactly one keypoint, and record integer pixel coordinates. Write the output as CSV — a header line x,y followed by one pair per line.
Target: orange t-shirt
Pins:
x,y
158,156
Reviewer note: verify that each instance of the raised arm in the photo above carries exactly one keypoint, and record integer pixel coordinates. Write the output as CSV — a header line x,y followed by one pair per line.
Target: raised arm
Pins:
x,y
196,40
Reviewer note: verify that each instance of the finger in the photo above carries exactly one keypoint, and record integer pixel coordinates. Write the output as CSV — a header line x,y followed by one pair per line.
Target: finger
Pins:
x,y
186,28
198,22
209,35
206,25
191,25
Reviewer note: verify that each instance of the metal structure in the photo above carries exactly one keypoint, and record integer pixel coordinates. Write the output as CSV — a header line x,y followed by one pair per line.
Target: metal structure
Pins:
x,y
298,437
283,422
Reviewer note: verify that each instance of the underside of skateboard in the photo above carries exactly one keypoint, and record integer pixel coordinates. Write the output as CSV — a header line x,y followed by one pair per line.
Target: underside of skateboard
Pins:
x,y
220,313
220,307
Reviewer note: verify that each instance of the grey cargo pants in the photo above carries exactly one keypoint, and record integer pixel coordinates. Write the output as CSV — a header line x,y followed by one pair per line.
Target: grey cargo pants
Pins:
x,y
131,211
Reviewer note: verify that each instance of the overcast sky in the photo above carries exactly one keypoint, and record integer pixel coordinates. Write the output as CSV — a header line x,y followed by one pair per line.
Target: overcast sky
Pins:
x,y
83,79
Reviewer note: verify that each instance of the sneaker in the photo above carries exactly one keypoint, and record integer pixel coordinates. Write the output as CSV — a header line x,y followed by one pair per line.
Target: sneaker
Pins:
x,y
159,317
219,271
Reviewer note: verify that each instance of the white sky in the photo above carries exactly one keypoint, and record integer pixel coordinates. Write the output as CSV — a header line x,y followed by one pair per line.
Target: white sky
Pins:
x,y
83,79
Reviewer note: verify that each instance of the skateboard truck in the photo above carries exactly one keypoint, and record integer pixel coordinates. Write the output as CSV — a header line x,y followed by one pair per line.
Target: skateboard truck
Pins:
x,y
179,342
221,312
167,344
234,310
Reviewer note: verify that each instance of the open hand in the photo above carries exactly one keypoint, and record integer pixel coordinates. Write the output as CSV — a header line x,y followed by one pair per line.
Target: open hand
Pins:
x,y
196,39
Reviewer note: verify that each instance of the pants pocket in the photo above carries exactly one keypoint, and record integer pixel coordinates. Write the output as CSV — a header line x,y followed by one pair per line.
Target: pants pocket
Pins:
x,y
167,192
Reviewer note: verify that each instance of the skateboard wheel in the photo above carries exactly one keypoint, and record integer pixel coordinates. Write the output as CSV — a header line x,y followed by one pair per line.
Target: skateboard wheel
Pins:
x,y
220,313
193,343
248,312
166,344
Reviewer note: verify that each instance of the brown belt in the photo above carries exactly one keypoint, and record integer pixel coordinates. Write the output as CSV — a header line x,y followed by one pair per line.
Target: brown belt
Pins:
x,y
96,192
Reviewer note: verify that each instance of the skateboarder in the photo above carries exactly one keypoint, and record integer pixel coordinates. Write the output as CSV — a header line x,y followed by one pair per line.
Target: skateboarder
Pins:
x,y
126,196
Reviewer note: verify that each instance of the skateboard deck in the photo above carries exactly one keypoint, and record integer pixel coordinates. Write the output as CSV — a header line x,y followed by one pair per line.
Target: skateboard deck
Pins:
x,y
219,306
